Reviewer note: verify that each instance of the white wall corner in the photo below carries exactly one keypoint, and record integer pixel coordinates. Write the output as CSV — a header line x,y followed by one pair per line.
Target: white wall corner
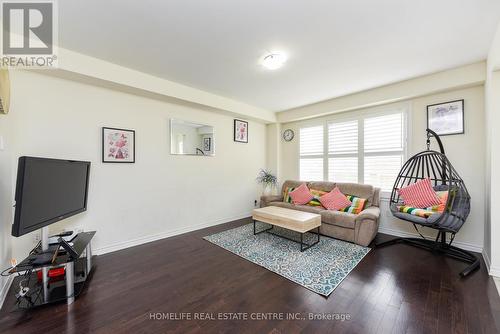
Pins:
x,y
5,289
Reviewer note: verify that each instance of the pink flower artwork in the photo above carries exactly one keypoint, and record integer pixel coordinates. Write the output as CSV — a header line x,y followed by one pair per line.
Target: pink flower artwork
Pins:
x,y
240,131
119,145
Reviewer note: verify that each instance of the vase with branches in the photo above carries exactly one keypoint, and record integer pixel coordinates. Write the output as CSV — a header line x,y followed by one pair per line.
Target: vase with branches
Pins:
x,y
268,181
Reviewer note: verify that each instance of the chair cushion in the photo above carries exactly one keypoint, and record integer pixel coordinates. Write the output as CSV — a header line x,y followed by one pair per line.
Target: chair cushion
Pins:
x,y
419,194
338,218
335,200
424,213
301,195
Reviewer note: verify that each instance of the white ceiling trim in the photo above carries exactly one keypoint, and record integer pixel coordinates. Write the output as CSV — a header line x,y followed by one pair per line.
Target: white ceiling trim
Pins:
x,y
460,77
81,65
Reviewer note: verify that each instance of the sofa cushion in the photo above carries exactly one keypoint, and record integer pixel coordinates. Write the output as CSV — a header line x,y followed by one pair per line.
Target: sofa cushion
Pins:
x,y
305,208
359,190
323,186
338,218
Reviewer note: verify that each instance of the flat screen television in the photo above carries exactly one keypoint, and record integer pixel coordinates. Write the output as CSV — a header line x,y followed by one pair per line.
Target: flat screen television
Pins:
x,y
47,191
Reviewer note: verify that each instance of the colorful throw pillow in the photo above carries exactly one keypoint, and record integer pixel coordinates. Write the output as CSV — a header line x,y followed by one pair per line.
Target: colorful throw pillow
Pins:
x,y
286,194
335,200
317,194
419,194
443,198
424,213
301,195
358,204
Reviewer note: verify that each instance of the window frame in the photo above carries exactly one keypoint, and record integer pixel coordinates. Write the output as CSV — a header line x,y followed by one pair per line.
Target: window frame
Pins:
x,y
359,116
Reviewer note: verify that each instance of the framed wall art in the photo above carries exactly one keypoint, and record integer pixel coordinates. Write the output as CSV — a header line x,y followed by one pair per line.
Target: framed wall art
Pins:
x,y
240,131
118,145
446,118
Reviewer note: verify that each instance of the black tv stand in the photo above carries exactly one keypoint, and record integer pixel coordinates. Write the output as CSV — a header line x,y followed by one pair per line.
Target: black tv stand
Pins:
x,y
77,270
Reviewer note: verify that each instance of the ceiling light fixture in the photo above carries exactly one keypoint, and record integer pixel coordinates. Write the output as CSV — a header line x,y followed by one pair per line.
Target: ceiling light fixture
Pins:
x,y
274,60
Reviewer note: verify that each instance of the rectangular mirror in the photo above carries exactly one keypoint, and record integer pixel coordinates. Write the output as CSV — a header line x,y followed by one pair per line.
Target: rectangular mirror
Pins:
x,y
189,138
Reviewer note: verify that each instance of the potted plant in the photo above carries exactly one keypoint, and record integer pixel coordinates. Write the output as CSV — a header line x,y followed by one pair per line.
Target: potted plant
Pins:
x,y
267,180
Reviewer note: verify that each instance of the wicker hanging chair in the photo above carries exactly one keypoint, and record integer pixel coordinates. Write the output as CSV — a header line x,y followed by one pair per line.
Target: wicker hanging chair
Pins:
x,y
435,166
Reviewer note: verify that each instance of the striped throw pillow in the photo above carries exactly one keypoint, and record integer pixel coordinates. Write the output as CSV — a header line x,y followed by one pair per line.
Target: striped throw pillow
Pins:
x,y
443,198
419,194
358,204
317,194
286,194
301,195
335,200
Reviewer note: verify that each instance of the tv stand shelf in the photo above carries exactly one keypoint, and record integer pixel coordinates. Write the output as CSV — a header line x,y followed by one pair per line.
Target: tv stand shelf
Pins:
x,y
66,288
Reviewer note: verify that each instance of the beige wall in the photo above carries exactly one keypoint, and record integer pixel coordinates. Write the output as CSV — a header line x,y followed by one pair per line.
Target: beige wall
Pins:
x,y
466,152
492,193
159,195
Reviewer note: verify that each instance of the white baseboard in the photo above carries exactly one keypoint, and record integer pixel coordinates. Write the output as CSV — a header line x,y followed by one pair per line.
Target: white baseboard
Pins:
x,y
149,238
486,260
497,283
464,245
494,271
5,289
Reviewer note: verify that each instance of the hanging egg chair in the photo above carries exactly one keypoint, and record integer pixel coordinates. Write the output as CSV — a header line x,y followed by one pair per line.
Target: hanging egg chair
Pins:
x,y
435,166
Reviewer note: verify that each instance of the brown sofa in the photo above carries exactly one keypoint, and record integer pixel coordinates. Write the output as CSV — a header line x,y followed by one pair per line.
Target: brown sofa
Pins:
x,y
360,228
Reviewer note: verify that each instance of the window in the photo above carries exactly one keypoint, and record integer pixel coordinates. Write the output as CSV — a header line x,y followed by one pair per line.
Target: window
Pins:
x,y
311,153
383,149
369,148
343,151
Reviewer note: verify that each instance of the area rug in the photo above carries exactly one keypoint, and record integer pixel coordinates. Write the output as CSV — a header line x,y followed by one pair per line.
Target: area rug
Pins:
x,y
321,268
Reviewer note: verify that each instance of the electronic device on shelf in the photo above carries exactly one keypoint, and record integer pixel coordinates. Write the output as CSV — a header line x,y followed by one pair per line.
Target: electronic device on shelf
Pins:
x,y
66,235
47,191
69,248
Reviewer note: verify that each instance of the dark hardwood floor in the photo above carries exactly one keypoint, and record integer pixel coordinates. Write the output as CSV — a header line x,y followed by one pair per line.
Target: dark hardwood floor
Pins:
x,y
398,289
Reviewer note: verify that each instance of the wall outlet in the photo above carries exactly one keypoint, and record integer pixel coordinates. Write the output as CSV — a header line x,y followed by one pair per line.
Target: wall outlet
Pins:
x,y
255,203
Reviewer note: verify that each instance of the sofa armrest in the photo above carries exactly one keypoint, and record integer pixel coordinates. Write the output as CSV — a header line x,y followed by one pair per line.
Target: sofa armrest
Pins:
x,y
266,199
372,213
366,227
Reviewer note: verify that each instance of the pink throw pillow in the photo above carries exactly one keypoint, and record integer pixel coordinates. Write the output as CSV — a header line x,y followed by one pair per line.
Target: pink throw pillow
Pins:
x,y
335,200
301,195
419,195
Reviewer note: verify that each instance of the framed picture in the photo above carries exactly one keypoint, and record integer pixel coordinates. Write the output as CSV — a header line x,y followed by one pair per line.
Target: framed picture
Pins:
x,y
207,144
446,118
240,131
118,145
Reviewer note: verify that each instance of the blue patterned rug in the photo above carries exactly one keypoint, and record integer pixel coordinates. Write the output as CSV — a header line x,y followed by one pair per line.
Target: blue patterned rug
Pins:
x,y
321,268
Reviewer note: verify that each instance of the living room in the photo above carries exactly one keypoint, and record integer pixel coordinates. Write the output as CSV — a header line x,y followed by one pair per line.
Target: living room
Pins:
x,y
335,107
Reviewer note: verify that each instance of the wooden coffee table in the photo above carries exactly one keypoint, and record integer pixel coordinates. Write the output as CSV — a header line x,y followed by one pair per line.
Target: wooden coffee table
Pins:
x,y
289,219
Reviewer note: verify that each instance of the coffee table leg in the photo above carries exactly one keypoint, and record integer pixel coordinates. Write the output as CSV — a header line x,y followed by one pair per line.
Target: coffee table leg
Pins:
x,y
265,230
307,246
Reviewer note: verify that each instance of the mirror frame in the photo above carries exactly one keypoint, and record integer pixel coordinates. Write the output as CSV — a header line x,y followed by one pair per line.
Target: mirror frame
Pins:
x,y
172,120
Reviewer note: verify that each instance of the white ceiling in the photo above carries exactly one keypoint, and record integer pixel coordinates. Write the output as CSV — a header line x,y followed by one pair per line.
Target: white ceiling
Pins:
x,y
335,47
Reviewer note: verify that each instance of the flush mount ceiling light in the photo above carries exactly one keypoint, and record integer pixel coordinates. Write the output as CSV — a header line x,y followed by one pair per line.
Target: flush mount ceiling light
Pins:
x,y
274,60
